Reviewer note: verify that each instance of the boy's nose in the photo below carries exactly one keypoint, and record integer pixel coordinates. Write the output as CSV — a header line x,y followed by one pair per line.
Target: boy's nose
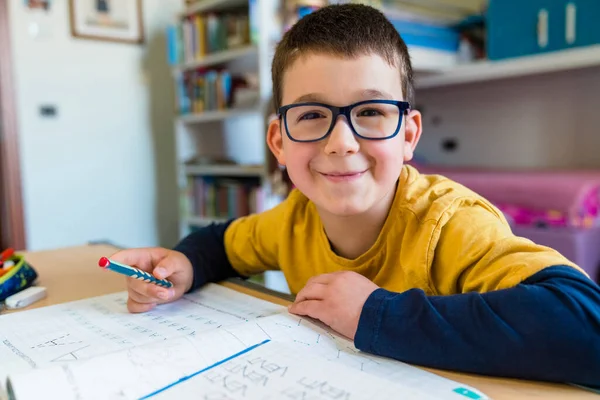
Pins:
x,y
341,141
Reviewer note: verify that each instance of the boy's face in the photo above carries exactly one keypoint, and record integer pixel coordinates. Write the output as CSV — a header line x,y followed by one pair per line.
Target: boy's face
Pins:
x,y
344,174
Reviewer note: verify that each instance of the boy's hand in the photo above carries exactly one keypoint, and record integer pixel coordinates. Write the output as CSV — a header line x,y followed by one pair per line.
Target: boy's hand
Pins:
x,y
336,299
163,264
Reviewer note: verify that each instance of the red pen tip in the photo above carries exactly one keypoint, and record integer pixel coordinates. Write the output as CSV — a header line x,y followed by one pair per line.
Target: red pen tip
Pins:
x,y
6,254
103,262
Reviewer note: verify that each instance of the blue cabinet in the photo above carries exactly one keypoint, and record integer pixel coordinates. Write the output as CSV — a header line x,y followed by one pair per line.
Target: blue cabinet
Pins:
x,y
583,23
526,27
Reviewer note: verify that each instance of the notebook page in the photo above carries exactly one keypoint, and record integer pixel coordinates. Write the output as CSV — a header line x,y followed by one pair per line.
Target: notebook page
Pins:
x,y
70,332
131,373
273,371
313,337
144,369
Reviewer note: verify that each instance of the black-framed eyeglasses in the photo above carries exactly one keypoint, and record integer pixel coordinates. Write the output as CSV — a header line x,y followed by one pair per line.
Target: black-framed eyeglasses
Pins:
x,y
370,119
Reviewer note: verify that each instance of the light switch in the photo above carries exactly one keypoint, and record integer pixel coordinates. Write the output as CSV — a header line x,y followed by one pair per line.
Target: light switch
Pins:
x,y
48,111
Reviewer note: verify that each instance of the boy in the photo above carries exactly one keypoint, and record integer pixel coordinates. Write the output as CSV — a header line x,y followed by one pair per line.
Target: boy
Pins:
x,y
409,266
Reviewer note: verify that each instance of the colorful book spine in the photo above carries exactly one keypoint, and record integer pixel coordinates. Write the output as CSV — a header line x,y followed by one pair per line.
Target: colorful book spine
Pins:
x,y
200,91
224,197
197,36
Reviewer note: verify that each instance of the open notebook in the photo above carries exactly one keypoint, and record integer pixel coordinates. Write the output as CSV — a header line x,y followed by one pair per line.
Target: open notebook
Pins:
x,y
215,343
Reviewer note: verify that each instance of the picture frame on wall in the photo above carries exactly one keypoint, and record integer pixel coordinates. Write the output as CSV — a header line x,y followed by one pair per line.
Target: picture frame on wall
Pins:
x,y
108,20
41,4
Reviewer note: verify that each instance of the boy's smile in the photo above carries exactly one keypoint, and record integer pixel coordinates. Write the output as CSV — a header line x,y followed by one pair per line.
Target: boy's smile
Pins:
x,y
344,174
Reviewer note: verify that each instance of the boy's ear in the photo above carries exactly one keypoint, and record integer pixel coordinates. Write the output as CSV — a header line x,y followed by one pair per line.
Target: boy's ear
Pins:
x,y
275,140
412,133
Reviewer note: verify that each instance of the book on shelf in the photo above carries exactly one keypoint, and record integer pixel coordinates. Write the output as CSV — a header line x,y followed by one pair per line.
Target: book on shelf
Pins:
x,y
224,197
204,90
196,36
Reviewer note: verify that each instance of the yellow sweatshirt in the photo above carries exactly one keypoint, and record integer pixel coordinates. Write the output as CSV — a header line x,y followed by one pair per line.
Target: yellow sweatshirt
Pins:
x,y
438,236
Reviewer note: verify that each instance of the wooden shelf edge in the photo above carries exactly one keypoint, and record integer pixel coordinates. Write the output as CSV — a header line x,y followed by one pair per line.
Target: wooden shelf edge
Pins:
x,y
216,58
225,170
564,60
209,116
201,221
211,5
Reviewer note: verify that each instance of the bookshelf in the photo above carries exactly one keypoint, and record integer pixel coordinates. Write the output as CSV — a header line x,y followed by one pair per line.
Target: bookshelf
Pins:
x,y
220,53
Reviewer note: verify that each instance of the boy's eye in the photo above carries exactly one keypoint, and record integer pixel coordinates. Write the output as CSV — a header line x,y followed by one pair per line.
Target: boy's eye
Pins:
x,y
310,115
369,112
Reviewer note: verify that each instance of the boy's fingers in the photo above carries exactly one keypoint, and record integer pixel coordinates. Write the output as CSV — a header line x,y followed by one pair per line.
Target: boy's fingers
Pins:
x,y
140,287
140,297
310,308
323,278
312,291
150,290
135,307
165,268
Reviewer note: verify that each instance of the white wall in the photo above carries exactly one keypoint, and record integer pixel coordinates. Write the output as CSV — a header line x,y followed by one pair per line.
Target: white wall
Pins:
x,y
90,173
541,121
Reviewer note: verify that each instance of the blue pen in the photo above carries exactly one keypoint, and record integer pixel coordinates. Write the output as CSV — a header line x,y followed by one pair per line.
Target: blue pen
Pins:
x,y
132,272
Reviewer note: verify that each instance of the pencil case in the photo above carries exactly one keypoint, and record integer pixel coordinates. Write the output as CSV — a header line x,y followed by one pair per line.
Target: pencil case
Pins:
x,y
19,277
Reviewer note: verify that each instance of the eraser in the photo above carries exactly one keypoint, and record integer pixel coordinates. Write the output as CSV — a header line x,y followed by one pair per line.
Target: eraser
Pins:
x,y
8,264
25,297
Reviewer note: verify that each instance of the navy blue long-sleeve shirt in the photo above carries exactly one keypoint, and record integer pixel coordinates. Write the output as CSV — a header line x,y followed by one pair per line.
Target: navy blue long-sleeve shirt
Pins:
x,y
545,328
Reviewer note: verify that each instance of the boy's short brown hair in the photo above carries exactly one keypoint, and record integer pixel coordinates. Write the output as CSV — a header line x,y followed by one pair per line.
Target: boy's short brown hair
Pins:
x,y
347,30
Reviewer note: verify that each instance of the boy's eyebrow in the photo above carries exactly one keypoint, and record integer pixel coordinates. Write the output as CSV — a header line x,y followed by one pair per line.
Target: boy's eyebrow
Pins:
x,y
371,94
310,97
368,94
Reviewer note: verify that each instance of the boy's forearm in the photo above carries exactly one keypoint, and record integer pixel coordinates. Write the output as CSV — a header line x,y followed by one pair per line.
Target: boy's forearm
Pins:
x,y
205,249
547,328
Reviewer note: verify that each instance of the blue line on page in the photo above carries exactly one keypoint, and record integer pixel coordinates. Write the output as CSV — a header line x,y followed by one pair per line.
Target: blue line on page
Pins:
x,y
185,378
